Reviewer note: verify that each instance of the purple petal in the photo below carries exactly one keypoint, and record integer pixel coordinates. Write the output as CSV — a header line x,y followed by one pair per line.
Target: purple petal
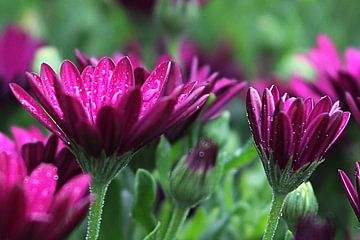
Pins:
x,y
312,140
153,87
267,111
121,80
253,107
35,110
281,139
129,108
354,106
99,85
350,192
40,188
89,138
222,100
110,126
53,110
324,105
297,117
154,123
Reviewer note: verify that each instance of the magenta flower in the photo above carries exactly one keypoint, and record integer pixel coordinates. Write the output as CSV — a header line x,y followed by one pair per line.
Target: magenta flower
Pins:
x,y
292,135
337,77
314,228
221,60
42,195
147,6
17,51
104,115
224,89
351,193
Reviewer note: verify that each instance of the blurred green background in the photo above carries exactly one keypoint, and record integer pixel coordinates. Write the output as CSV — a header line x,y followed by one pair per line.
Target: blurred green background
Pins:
x,y
264,36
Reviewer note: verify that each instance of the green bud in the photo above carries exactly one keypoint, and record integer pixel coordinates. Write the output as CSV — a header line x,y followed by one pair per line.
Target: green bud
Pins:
x,y
300,203
193,178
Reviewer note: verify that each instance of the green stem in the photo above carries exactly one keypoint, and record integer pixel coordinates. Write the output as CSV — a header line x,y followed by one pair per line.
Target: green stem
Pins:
x,y
275,213
178,217
95,212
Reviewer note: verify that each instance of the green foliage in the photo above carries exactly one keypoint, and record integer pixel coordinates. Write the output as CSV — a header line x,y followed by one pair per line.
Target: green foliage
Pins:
x,y
145,194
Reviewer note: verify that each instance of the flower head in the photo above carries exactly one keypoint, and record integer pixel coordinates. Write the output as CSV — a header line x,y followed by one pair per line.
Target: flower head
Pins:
x,y
314,228
17,51
108,112
337,77
224,89
352,194
42,192
193,178
292,134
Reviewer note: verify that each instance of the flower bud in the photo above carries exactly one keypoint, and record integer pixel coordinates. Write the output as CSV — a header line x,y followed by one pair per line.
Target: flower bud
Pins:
x,y
193,178
300,203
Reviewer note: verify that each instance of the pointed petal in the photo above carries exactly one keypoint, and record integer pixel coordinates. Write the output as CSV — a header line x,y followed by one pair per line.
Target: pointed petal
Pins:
x,y
281,139
312,140
267,111
324,105
35,110
297,117
253,107
99,85
221,100
350,192
121,80
154,86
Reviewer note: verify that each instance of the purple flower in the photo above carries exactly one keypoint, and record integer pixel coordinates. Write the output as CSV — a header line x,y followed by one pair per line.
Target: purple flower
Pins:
x,y
292,135
313,228
351,193
337,77
224,89
106,113
147,6
43,194
221,60
17,51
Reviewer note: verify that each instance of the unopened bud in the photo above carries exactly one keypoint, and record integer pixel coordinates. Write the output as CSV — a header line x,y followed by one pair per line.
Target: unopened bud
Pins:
x,y
300,203
193,178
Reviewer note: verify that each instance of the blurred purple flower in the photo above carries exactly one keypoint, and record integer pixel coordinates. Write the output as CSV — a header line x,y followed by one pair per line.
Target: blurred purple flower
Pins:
x,y
221,60
336,77
43,194
147,6
292,133
351,193
17,51
313,228
107,111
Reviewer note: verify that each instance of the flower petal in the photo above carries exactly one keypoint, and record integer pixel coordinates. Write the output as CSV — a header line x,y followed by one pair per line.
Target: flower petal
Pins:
x,y
35,110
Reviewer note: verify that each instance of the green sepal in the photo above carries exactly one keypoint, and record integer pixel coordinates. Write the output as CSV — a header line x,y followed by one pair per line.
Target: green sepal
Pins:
x,y
103,168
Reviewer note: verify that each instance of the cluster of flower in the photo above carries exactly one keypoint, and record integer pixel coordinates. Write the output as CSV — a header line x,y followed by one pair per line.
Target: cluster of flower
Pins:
x,y
102,112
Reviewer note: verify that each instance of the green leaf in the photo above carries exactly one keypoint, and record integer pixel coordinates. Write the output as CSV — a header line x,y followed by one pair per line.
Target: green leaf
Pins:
x,y
145,193
152,234
241,157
